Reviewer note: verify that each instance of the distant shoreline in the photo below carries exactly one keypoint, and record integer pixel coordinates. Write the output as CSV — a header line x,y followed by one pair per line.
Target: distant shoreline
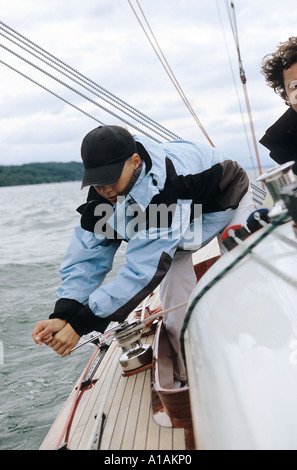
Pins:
x,y
49,172
37,173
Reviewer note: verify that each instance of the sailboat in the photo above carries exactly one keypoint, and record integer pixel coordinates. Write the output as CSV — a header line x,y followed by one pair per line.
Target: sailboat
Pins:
x,y
239,350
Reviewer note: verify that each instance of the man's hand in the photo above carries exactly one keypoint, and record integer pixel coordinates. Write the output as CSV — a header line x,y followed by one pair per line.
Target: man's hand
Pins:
x,y
44,330
64,341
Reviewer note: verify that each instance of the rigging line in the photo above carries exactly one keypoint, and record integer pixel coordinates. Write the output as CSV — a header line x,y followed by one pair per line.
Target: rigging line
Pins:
x,y
171,78
169,70
268,265
82,77
233,27
78,390
232,18
79,93
243,79
77,82
235,86
233,24
172,74
50,91
252,128
66,101
58,62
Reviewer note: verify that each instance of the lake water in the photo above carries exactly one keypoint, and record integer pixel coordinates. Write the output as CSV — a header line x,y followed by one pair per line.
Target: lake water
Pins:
x,y
35,228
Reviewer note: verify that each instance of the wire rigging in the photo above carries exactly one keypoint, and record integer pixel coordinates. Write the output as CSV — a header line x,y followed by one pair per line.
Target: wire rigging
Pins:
x,y
81,79
75,91
166,66
50,91
233,22
236,90
100,92
164,62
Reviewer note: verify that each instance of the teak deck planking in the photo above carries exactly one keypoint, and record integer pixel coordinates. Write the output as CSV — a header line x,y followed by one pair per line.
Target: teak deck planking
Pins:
x,y
125,402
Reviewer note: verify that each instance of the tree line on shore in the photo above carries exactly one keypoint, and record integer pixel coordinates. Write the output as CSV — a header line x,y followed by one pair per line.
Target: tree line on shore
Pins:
x,y
37,173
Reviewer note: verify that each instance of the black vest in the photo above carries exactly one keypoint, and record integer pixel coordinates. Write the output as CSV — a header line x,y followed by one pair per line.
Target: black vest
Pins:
x,y
281,139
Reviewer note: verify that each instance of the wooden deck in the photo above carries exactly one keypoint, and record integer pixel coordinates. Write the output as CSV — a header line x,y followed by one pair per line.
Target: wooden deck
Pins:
x,y
115,411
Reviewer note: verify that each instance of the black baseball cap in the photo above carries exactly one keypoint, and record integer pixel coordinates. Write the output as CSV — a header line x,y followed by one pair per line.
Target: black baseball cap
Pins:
x,y
104,151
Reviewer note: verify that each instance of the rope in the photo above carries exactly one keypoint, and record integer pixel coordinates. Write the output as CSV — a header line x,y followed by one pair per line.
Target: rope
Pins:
x,y
268,265
71,78
69,419
220,276
167,68
78,92
235,86
83,79
143,310
252,128
276,235
232,18
51,92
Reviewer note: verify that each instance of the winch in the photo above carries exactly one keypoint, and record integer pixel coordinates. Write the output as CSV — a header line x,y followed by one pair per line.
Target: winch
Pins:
x,y
289,194
135,354
275,180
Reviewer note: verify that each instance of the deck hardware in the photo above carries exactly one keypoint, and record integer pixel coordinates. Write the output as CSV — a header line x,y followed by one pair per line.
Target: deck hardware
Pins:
x,y
89,378
289,194
135,355
275,179
100,339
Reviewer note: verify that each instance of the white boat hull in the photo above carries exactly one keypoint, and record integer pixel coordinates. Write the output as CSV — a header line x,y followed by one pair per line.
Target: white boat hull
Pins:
x,y
241,352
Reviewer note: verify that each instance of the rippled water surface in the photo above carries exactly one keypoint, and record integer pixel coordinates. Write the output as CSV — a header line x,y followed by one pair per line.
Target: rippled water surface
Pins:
x,y
35,228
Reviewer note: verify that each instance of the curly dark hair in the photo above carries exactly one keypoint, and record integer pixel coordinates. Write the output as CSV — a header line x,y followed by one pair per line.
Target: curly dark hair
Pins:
x,y
274,64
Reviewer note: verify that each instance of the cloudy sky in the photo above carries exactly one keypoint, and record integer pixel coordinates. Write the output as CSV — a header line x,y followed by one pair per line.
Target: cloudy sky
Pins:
x,y
103,40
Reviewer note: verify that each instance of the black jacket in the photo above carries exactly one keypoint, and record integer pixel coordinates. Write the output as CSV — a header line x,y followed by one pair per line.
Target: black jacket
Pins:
x,y
281,139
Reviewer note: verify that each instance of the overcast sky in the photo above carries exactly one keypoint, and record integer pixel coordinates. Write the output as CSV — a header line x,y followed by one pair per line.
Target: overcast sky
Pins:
x,y
104,41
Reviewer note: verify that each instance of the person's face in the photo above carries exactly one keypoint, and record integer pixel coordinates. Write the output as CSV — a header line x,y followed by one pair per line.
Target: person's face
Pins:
x,y
111,192
290,81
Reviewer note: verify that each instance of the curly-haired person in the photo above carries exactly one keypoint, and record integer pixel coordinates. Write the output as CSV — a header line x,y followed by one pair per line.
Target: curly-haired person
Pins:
x,y
280,71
